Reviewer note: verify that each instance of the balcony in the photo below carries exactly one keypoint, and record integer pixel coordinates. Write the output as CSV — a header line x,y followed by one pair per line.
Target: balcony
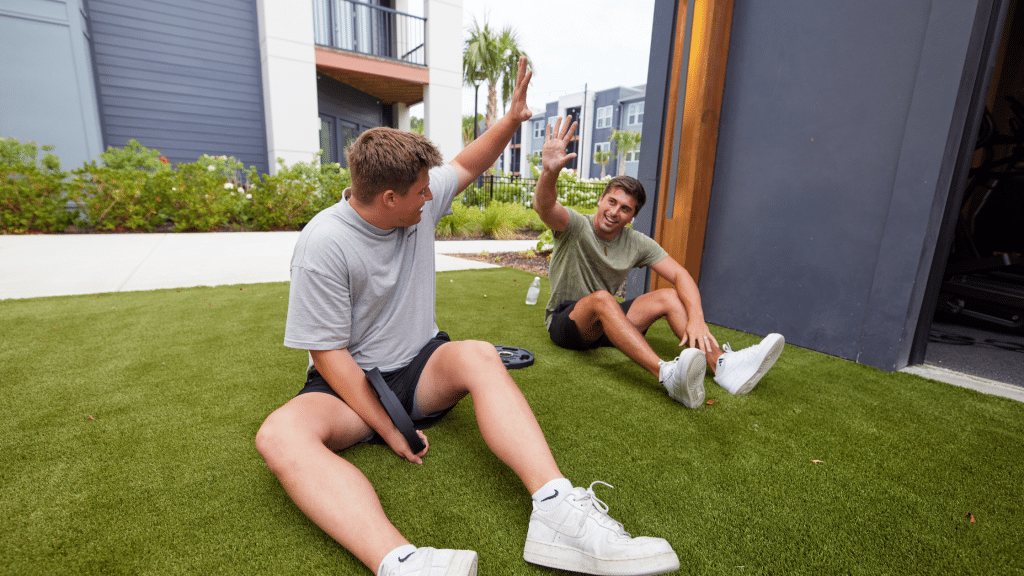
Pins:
x,y
374,49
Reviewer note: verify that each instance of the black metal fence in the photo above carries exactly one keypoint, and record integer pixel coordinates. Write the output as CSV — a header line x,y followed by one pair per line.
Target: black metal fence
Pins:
x,y
520,191
369,29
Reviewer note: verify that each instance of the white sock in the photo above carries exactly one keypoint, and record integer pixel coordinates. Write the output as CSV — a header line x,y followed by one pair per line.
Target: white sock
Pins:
x,y
393,556
552,494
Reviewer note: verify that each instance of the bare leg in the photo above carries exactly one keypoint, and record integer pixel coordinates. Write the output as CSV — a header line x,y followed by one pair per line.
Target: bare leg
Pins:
x,y
505,419
665,303
298,442
599,313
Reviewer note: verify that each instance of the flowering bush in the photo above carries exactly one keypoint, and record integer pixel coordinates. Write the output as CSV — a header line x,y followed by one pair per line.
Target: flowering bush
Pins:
x,y
202,200
136,189
125,193
32,194
290,198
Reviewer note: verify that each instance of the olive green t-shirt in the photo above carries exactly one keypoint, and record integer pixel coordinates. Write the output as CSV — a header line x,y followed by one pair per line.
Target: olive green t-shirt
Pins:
x,y
582,263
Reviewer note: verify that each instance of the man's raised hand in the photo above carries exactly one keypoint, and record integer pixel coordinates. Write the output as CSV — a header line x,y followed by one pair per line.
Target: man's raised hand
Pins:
x,y
517,107
556,139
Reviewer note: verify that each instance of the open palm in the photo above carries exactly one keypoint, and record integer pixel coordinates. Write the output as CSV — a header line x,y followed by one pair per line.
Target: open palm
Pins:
x,y
556,139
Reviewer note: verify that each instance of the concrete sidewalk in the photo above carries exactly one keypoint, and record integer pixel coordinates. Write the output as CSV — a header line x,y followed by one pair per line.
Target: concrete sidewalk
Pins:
x,y
59,265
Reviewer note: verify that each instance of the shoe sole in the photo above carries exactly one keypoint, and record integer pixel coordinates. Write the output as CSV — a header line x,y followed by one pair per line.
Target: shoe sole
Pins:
x,y
769,360
693,388
573,560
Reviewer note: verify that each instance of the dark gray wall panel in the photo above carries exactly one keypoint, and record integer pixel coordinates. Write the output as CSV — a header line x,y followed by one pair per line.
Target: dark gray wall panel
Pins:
x,y
345,102
834,121
181,76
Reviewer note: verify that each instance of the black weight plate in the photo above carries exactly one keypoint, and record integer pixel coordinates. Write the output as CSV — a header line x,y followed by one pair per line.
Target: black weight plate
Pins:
x,y
395,411
513,357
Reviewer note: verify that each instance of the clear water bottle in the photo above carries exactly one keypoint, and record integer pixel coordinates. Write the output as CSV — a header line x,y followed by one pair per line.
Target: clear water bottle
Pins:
x,y
534,291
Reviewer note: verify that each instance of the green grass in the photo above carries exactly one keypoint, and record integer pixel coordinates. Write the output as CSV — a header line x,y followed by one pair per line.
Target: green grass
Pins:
x,y
126,447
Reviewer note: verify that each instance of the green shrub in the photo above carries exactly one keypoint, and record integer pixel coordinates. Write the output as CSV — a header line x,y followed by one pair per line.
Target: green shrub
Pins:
x,y
501,219
464,221
114,199
127,192
290,198
546,240
134,156
32,191
209,194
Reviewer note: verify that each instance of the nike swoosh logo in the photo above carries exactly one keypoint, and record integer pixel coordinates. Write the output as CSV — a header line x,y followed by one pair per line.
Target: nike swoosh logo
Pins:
x,y
406,556
555,495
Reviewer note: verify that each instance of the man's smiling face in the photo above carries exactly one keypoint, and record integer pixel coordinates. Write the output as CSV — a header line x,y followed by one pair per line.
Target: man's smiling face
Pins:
x,y
614,211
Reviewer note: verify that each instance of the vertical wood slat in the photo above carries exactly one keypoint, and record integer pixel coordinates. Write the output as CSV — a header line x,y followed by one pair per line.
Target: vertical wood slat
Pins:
x,y
683,235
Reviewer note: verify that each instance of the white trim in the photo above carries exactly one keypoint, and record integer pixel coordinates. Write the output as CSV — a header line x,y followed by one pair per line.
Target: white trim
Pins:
x,y
442,98
288,63
982,385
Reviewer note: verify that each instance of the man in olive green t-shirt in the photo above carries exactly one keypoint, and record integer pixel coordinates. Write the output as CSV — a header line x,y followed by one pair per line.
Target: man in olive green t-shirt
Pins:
x,y
591,259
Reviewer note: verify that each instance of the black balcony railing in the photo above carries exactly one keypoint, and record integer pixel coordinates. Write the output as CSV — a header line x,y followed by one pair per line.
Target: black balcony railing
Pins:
x,y
490,187
368,29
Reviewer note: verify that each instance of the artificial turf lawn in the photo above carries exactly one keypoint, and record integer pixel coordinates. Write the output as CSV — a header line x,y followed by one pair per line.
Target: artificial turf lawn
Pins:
x,y
126,447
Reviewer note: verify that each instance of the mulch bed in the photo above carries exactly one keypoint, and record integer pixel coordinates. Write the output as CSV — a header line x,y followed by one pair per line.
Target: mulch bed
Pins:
x,y
537,264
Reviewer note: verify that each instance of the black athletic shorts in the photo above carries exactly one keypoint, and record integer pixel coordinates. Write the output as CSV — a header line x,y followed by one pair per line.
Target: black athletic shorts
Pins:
x,y
565,333
402,382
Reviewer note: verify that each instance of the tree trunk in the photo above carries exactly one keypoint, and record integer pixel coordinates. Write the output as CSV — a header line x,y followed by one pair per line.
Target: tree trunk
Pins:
x,y
492,104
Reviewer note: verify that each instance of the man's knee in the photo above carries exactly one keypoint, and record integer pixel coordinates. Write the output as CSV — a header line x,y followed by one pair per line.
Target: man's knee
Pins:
x,y
668,300
603,303
475,351
271,439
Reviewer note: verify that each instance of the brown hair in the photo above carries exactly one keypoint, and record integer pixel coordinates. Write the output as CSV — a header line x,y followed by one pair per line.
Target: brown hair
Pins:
x,y
630,186
384,159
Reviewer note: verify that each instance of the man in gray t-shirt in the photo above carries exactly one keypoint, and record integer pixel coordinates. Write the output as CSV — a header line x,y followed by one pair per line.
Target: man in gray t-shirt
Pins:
x,y
591,258
362,297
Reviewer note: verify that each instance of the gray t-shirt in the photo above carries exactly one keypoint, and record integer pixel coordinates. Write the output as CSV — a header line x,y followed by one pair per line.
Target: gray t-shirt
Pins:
x,y
582,263
368,290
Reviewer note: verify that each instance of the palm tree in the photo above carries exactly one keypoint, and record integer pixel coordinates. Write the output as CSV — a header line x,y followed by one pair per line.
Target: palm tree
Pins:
x,y
626,141
491,58
469,129
602,157
478,59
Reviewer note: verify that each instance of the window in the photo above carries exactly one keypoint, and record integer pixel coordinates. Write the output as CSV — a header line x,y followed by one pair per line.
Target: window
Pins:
x,y
602,147
538,129
635,113
604,117
633,155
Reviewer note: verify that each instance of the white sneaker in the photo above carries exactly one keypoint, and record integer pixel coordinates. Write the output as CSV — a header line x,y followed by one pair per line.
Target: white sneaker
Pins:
x,y
412,561
739,372
684,377
579,536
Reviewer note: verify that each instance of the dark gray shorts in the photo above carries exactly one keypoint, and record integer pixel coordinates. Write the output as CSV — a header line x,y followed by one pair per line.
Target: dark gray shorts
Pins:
x,y
565,333
402,382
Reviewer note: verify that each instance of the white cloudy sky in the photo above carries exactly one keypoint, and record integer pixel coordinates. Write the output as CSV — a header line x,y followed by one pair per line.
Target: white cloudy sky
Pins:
x,y
598,43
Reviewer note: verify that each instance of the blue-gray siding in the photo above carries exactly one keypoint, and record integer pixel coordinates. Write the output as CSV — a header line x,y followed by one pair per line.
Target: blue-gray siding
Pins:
x,y
181,76
47,94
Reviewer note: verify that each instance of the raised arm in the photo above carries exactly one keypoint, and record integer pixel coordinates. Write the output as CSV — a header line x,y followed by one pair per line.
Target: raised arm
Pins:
x,y
553,160
349,381
484,151
697,331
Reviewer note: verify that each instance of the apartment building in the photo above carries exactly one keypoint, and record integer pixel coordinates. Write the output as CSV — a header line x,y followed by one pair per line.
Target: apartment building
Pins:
x,y
598,113
260,81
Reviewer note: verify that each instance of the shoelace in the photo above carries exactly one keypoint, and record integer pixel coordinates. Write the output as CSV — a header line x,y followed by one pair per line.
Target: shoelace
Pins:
x,y
602,517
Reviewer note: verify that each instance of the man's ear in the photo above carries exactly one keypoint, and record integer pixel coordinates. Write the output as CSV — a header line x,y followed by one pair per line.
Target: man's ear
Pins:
x,y
389,198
